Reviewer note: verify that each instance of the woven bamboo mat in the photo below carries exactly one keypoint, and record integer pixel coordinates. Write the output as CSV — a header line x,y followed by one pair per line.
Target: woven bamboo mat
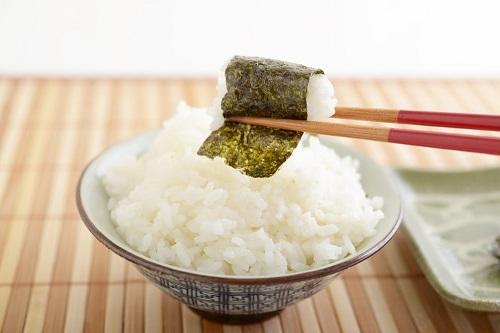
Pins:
x,y
55,277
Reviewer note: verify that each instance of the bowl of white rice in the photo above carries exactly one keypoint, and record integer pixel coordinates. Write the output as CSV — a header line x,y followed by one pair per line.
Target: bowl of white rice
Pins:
x,y
228,245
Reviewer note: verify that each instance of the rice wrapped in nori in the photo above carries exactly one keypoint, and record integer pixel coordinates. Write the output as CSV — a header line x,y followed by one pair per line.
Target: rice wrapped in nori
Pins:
x,y
262,87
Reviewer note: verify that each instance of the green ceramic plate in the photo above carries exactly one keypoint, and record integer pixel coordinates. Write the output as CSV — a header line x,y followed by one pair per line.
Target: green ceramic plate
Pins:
x,y
452,219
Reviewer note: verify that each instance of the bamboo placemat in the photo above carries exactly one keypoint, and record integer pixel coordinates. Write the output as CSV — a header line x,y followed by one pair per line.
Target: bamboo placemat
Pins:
x,y
55,277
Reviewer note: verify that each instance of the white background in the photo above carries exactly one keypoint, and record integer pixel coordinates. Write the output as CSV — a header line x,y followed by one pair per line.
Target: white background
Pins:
x,y
422,38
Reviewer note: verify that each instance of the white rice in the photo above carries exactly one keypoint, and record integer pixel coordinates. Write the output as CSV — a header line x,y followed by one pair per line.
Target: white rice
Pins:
x,y
190,211
320,98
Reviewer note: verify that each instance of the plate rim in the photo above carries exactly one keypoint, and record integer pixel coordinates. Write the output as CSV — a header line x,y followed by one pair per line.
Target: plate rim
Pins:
x,y
460,299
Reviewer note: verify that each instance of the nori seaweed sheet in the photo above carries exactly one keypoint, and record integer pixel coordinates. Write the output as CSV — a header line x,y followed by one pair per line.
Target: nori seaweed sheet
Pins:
x,y
256,151
259,87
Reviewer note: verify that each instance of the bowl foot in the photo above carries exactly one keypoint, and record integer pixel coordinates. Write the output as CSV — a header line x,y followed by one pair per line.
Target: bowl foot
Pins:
x,y
235,319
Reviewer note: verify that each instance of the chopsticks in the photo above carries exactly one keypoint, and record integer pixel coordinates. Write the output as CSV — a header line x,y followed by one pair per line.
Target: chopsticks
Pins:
x,y
428,118
461,142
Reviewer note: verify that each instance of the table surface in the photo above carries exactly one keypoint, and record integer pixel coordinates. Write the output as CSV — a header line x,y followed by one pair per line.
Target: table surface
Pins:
x,y
55,276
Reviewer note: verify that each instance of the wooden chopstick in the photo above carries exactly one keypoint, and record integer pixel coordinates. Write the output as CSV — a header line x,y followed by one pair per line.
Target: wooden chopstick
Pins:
x,y
428,118
461,142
